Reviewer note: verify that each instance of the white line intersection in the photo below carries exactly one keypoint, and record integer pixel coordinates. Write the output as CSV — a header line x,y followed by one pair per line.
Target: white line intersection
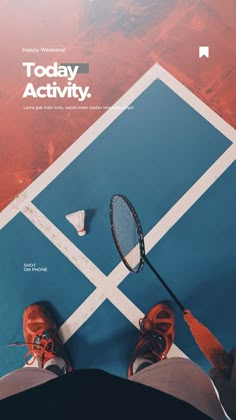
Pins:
x,y
107,286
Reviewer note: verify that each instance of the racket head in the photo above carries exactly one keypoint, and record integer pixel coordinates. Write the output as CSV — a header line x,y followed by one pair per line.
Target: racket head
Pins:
x,y
127,232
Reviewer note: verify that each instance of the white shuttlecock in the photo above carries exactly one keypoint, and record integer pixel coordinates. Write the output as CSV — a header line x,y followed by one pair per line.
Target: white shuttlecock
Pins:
x,y
77,220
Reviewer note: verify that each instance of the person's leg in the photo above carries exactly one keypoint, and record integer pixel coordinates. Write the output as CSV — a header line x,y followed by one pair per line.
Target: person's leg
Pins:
x,y
22,379
184,380
177,376
45,348
41,337
157,331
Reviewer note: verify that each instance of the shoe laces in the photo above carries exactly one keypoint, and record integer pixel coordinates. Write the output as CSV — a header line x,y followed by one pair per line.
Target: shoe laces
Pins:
x,y
153,338
45,346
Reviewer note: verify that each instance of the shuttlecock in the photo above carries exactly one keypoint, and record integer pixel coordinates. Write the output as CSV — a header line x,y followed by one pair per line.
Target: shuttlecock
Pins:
x,y
77,220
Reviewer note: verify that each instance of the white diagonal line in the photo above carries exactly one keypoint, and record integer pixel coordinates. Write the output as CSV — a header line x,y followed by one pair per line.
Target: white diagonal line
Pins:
x,y
79,317
104,290
155,72
180,208
77,148
82,314
61,242
196,103
133,314
108,285
126,306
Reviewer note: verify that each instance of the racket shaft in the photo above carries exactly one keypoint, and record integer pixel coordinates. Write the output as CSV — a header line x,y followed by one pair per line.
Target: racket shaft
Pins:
x,y
124,216
164,285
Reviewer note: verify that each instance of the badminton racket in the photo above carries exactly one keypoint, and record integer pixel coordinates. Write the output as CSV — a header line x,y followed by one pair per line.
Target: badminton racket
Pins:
x,y
128,237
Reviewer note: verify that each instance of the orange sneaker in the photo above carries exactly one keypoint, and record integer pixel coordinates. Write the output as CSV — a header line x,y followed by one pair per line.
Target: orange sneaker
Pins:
x,y
156,337
41,337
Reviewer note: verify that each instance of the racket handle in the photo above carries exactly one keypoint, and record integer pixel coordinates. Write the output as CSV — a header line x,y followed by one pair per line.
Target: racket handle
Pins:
x,y
209,345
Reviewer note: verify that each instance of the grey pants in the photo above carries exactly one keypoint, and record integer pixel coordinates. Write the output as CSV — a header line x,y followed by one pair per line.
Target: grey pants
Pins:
x,y
176,376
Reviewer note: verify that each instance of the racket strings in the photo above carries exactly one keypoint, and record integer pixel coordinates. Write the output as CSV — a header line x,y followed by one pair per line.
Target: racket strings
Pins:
x,y
128,236
126,232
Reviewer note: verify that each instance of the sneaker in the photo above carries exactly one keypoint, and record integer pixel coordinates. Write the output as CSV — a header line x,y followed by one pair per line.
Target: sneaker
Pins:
x,y
41,337
156,337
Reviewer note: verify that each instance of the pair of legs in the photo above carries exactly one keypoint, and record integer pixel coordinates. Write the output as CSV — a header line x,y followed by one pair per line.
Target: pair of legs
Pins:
x,y
149,365
44,344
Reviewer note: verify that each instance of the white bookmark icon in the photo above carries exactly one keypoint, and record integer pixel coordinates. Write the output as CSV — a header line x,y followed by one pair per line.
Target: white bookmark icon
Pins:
x,y
203,52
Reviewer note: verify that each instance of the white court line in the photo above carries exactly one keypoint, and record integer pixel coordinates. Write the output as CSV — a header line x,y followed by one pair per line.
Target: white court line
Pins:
x,y
180,208
77,148
84,264
82,314
155,72
63,244
207,113
107,286
133,314
105,289
92,303
78,318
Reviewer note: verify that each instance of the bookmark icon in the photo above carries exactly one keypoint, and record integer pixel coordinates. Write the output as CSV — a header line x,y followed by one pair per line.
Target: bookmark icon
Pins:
x,y
203,52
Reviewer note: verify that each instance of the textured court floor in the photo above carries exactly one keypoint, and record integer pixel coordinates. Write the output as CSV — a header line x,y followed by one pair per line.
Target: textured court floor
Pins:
x,y
175,160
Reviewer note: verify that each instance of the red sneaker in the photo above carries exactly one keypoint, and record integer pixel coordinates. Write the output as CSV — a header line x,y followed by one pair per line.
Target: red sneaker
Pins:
x,y
157,336
41,336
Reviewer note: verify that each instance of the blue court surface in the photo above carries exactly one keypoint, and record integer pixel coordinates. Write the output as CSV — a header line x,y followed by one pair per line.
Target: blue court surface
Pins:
x,y
154,154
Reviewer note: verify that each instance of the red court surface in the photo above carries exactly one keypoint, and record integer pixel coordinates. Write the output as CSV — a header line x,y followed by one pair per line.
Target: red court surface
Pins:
x,y
120,40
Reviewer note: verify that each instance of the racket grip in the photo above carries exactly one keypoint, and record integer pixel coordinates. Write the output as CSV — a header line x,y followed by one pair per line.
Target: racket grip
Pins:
x,y
209,345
